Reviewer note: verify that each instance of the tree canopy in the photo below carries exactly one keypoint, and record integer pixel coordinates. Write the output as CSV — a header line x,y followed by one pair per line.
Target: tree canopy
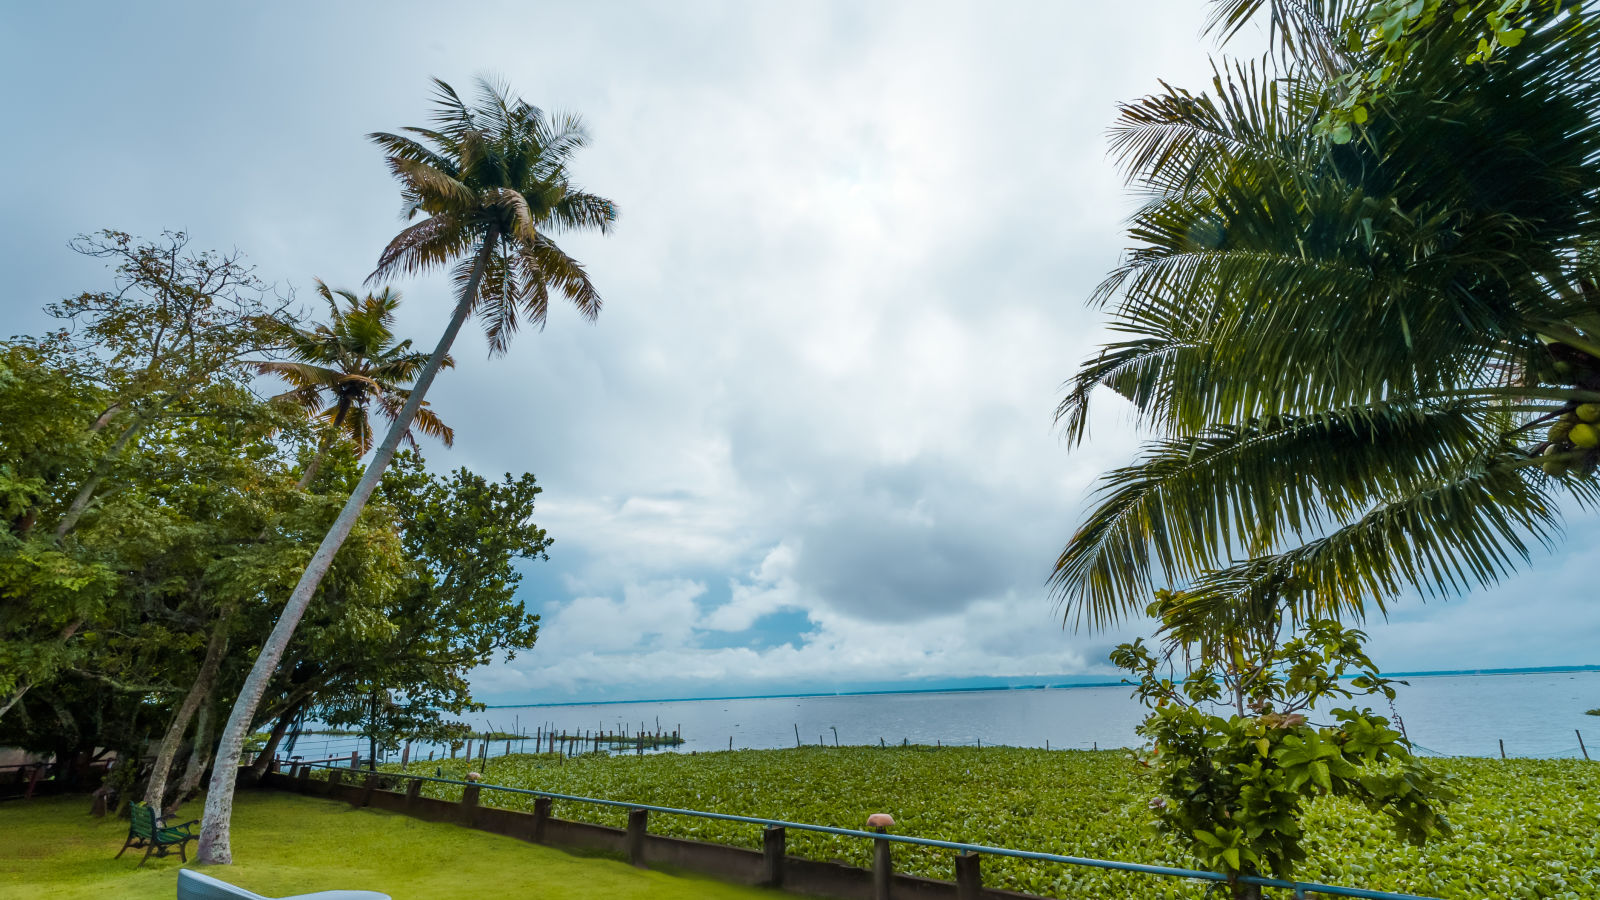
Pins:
x,y
1345,352
131,631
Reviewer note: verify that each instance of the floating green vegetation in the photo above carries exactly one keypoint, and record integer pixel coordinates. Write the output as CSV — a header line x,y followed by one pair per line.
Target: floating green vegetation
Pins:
x,y
1524,828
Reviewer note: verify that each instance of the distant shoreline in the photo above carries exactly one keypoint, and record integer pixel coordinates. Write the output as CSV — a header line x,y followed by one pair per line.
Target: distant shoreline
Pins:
x,y
1070,685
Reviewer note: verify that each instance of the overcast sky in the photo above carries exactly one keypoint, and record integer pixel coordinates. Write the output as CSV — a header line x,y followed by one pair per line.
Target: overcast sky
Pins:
x,y
808,444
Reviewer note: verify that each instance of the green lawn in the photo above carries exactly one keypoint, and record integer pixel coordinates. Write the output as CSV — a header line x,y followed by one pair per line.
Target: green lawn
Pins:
x,y
286,844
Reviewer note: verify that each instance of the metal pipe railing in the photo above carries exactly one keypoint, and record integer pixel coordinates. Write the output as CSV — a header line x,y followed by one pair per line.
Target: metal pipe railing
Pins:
x,y
1300,888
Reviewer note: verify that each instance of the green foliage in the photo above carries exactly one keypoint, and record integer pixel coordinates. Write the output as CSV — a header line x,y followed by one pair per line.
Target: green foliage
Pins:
x,y
150,511
1523,828
344,368
44,587
1238,759
1347,355
493,182
453,610
1363,48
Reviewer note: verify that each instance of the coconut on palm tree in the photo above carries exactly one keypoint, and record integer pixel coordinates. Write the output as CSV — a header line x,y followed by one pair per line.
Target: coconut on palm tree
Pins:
x,y
491,185
1348,354
352,364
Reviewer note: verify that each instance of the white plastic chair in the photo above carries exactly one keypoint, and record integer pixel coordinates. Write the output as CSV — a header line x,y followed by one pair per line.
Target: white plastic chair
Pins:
x,y
194,886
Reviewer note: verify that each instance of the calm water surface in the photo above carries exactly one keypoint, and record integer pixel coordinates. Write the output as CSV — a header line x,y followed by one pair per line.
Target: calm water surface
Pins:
x,y
1536,714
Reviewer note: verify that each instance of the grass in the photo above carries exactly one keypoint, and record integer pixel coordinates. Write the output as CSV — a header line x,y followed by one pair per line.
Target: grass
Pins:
x,y
285,844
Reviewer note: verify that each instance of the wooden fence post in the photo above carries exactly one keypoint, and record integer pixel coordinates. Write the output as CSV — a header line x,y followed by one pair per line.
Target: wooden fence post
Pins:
x,y
1502,748
413,792
541,815
370,785
969,876
772,852
469,805
1580,743
882,868
638,821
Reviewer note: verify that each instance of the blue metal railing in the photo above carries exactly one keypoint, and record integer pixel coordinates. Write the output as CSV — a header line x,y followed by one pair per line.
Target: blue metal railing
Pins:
x,y
1300,888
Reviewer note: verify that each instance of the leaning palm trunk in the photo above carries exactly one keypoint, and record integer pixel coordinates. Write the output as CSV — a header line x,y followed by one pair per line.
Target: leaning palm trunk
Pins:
x,y
155,791
214,847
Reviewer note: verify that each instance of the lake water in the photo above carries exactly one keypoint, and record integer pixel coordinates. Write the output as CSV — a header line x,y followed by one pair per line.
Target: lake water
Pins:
x,y
1536,714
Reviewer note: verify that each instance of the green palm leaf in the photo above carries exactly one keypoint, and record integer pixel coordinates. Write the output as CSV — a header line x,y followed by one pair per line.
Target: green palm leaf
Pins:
x,y
1347,352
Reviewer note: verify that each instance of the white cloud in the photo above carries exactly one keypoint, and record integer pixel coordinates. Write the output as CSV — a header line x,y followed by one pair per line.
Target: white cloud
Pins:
x,y
657,614
770,588
849,278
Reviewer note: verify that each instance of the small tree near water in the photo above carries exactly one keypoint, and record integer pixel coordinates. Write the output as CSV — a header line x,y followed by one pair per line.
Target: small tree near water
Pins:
x,y
1237,755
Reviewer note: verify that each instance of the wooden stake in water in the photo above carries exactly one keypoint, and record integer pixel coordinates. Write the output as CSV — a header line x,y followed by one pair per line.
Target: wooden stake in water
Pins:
x,y
1502,748
797,734
1580,743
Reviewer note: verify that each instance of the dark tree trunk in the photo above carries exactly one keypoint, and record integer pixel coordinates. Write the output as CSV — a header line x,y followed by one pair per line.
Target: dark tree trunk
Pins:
x,y
199,756
264,758
155,792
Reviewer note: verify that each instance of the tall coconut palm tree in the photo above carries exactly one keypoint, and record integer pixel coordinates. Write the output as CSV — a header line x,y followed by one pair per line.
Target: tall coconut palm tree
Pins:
x,y
491,183
352,363
1348,354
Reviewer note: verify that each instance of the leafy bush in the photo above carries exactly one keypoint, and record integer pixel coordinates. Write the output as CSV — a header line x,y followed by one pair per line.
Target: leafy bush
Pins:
x,y
1234,787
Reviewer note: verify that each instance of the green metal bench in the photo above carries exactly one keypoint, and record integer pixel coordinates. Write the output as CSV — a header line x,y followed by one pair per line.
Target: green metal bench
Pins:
x,y
145,830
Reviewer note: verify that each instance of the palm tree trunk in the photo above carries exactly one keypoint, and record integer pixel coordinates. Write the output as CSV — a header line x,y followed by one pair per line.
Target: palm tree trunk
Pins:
x,y
214,846
155,792
312,467
322,446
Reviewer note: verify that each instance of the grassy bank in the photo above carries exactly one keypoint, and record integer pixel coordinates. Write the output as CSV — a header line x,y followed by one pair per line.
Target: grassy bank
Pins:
x,y
1525,828
286,844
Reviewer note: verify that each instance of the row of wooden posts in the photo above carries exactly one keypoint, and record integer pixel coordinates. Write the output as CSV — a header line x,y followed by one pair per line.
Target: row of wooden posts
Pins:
x,y
563,742
774,862
569,743
1581,748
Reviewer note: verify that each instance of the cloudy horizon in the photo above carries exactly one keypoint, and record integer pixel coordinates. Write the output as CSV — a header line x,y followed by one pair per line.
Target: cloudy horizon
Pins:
x,y
809,442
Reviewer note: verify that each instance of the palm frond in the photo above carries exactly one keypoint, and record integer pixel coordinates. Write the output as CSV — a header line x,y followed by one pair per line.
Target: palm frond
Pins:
x,y
576,211
1188,506
301,375
429,244
1458,535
